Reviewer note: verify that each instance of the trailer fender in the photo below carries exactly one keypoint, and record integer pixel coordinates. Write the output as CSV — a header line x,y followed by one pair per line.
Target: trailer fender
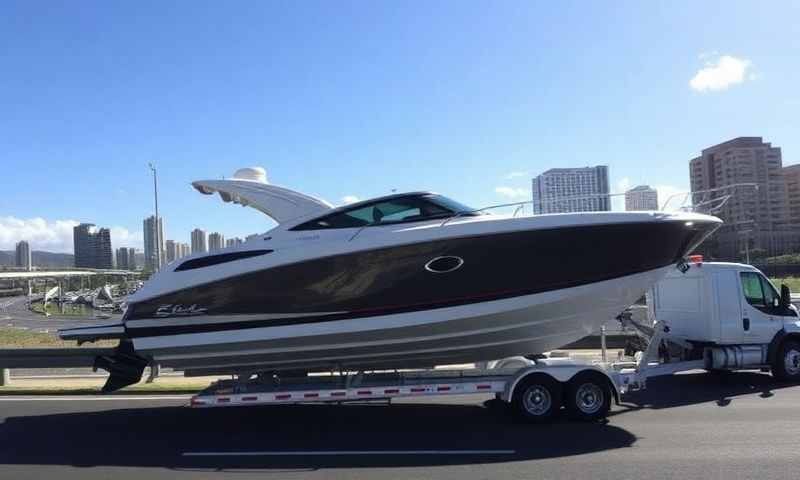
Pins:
x,y
511,362
560,373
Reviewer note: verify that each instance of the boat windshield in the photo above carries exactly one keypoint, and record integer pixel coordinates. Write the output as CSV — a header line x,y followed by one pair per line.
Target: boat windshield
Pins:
x,y
412,208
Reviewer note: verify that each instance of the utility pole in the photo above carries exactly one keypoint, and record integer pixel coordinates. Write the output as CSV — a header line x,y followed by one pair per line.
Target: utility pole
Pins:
x,y
157,223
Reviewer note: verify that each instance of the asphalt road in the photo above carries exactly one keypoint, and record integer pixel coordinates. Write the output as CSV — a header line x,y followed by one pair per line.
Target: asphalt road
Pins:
x,y
689,426
14,313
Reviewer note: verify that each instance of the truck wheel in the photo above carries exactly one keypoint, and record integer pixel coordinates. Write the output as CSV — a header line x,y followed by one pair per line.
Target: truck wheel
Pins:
x,y
537,398
787,362
588,397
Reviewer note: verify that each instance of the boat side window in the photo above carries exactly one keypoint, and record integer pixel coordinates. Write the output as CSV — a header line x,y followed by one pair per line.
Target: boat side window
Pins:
x,y
395,210
752,288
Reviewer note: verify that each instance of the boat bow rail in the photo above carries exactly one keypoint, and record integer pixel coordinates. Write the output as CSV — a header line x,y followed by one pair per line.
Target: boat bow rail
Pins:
x,y
708,202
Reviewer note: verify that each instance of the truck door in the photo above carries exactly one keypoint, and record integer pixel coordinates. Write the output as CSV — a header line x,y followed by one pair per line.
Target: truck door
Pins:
x,y
761,317
729,308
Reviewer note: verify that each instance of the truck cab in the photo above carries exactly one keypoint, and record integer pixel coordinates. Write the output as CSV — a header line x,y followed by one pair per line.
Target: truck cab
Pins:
x,y
733,312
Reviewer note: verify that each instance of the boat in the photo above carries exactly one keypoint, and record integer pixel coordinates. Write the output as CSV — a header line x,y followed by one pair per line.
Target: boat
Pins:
x,y
407,280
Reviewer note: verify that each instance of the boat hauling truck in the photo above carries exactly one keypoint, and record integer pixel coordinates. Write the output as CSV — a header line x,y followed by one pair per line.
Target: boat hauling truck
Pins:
x,y
703,315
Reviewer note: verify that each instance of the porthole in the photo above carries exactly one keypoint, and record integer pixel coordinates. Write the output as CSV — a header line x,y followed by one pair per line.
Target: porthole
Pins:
x,y
444,264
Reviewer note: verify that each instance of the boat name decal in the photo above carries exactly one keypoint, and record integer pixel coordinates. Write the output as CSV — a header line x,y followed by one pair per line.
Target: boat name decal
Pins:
x,y
179,310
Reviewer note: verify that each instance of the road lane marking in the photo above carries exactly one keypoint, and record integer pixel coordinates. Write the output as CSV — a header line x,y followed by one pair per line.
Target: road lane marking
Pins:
x,y
278,453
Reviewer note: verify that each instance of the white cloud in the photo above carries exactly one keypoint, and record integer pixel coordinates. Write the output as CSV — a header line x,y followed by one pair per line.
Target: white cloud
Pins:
x,y
617,200
55,236
623,185
514,175
512,193
676,197
348,199
122,237
708,54
721,72
42,235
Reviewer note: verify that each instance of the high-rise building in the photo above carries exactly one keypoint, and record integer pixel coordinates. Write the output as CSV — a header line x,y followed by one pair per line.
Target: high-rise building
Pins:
x,y
172,251
199,241
139,260
176,250
23,255
641,198
122,259
756,219
561,190
126,258
104,254
133,262
252,236
92,246
154,243
82,245
216,241
791,179
232,242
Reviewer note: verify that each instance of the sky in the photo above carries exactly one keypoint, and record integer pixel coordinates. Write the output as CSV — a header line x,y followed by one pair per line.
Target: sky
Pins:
x,y
350,100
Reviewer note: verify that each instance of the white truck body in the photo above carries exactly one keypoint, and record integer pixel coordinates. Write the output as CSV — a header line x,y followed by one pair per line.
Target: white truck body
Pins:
x,y
721,304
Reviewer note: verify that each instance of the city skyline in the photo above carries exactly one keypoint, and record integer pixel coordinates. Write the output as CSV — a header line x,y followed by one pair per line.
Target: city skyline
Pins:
x,y
493,97
764,220
571,189
641,197
651,197
756,219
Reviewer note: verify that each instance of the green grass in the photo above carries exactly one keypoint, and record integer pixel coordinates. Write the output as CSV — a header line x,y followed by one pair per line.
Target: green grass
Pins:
x,y
69,310
161,387
19,338
792,282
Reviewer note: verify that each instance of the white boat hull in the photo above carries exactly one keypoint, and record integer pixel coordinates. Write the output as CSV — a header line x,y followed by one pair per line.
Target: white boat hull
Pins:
x,y
468,333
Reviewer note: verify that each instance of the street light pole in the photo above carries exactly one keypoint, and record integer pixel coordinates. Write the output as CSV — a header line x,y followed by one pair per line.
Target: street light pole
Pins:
x,y
157,225
747,247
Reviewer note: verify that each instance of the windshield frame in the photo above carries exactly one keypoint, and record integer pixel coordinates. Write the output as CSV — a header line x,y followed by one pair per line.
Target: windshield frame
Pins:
x,y
452,207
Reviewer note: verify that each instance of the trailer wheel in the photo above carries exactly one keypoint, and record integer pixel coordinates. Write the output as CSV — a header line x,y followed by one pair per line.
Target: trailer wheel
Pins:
x,y
588,396
537,398
787,362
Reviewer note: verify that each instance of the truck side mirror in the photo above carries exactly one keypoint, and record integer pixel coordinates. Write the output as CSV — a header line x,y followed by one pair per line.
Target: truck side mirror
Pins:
x,y
786,296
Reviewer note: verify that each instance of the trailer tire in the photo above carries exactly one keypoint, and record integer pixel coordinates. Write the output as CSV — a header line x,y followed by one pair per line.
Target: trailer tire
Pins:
x,y
588,397
537,398
787,361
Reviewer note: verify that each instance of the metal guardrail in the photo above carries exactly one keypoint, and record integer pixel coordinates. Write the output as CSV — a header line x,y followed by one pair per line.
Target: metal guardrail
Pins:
x,y
50,357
